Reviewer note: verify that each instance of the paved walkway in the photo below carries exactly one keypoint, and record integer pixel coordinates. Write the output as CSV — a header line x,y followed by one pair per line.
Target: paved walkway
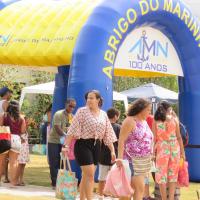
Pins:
x,y
28,190
32,191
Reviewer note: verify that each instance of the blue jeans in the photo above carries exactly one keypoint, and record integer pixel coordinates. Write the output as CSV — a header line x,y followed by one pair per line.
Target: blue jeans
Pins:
x,y
132,169
54,160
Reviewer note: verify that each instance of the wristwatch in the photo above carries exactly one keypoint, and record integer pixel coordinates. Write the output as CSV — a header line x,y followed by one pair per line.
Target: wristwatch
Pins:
x,y
65,146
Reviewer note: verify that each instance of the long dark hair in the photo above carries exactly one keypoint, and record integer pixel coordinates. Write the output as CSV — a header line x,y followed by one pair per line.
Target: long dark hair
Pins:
x,y
13,109
98,96
161,112
138,106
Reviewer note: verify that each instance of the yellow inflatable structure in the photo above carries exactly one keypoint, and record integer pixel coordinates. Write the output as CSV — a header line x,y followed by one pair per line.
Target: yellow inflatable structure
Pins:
x,y
42,32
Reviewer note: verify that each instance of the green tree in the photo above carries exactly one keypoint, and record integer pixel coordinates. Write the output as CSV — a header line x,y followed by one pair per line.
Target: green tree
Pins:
x,y
35,108
125,83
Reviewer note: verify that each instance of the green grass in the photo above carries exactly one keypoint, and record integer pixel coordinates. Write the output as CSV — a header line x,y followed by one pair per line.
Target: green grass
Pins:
x,y
37,173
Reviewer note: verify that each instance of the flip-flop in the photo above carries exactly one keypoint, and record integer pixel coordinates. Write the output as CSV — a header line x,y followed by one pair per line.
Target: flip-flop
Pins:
x,y
21,184
13,186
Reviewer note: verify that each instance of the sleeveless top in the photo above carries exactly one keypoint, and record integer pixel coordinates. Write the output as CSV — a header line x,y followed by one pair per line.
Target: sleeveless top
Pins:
x,y
139,142
166,131
1,106
15,126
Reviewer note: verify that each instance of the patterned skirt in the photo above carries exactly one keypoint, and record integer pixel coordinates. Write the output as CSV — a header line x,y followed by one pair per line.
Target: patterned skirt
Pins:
x,y
141,165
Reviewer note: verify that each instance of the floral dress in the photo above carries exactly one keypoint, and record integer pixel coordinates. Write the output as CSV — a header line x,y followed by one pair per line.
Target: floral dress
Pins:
x,y
24,151
167,152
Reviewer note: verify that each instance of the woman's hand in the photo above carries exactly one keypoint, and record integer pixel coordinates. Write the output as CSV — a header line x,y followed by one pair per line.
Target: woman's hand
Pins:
x,y
183,155
119,162
113,157
153,158
65,149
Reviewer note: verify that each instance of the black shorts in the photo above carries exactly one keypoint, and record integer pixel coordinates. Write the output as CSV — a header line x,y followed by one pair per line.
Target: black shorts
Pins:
x,y
87,151
5,145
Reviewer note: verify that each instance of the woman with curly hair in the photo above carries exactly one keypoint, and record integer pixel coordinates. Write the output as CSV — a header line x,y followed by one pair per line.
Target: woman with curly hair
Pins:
x,y
136,144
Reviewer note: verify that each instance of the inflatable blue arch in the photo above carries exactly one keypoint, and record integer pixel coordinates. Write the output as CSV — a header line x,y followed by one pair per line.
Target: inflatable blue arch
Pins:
x,y
97,46
88,65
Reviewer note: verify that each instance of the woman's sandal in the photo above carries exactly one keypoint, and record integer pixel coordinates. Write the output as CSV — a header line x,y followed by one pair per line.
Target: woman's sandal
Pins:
x,y
21,184
6,181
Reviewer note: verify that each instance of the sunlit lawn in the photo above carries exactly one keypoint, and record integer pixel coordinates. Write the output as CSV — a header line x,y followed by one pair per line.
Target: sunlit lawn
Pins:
x,y
37,173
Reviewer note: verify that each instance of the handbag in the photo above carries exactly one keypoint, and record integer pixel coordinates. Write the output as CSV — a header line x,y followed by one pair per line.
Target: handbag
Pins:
x,y
66,184
118,181
183,175
5,137
15,143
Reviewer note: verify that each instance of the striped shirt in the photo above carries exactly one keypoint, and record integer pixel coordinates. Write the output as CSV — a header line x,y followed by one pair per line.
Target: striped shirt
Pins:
x,y
87,126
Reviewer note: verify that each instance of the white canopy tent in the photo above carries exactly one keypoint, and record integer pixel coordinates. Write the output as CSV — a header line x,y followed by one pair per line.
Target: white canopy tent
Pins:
x,y
48,88
153,92
150,91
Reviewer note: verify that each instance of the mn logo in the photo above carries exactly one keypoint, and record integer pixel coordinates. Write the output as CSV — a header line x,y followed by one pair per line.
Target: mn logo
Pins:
x,y
144,48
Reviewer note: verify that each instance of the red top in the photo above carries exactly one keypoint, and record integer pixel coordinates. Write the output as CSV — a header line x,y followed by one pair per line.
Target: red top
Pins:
x,y
15,126
150,120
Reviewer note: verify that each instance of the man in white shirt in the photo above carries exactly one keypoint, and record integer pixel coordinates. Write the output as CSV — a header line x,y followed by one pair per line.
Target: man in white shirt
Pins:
x,y
6,95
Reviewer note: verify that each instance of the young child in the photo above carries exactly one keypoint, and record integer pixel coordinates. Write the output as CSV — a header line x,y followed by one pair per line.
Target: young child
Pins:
x,y
23,158
105,158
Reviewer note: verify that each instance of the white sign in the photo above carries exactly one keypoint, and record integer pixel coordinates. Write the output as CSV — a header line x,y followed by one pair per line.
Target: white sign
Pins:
x,y
148,49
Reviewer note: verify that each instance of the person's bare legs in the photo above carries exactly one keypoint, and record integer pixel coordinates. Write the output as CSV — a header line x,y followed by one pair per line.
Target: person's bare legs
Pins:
x,y
21,168
2,164
172,189
13,156
146,187
6,180
81,190
163,191
146,191
87,182
138,183
101,187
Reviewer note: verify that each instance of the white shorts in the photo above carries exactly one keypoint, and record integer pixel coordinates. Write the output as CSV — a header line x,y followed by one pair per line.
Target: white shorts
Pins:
x,y
103,172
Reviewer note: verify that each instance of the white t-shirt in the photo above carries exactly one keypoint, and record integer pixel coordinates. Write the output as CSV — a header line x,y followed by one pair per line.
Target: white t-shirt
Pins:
x,y
1,106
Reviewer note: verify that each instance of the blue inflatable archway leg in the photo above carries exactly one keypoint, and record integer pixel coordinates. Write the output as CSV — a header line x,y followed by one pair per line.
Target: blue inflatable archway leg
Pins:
x,y
59,100
60,90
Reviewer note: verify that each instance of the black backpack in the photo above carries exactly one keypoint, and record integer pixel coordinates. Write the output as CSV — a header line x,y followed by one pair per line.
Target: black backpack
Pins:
x,y
184,134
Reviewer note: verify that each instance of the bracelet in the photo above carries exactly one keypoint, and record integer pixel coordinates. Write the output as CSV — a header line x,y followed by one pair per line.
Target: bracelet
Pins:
x,y
65,134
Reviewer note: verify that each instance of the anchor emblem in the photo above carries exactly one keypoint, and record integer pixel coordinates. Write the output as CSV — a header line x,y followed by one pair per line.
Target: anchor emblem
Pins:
x,y
144,43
